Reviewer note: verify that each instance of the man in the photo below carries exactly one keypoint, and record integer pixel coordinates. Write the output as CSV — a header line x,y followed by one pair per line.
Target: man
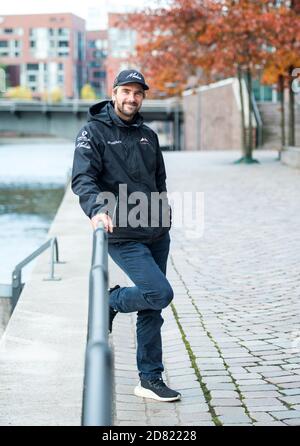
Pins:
x,y
115,148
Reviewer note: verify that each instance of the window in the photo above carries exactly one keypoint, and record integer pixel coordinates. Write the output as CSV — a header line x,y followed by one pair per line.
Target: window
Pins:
x,y
3,44
94,64
122,42
8,30
99,74
32,44
101,44
61,66
32,66
63,44
63,32
32,78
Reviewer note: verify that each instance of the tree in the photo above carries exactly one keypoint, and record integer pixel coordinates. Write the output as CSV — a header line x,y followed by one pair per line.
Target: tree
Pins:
x,y
284,58
18,92
211,39
170,49
241,36
87,92
55,95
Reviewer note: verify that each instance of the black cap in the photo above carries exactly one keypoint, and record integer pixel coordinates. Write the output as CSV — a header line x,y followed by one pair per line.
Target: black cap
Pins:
x,y
130,77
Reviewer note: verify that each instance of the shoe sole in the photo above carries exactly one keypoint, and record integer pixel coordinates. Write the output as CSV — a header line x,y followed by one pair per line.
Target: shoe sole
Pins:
x,y
146,393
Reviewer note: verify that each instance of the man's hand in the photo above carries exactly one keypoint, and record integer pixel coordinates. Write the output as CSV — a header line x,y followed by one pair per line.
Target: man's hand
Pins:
x,y
105,218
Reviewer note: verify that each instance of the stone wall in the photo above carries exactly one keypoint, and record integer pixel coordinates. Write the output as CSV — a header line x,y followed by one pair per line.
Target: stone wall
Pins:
x,y
213,116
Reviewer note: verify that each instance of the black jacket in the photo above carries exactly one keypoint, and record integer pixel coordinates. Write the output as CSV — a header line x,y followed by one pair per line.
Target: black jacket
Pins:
x,y
109,152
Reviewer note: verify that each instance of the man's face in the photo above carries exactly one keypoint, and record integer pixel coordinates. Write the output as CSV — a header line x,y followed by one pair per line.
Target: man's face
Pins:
x,y
128,100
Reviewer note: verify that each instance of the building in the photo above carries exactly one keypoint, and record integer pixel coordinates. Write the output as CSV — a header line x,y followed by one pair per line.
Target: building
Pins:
x,y
122,41
96,55
43,52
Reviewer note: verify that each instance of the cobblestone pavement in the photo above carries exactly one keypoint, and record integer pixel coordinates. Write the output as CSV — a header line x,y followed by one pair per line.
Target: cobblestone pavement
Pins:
x,y
232,334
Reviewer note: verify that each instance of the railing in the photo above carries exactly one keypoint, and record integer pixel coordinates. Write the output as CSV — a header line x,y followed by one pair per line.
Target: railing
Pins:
x,y
17,284
97,387
259,123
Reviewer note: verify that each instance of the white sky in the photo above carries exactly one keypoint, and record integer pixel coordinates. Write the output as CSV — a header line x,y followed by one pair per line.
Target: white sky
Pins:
x,y
93,11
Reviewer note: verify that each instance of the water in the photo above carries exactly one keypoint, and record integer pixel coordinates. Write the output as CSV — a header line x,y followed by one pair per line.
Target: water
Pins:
x,y
33,174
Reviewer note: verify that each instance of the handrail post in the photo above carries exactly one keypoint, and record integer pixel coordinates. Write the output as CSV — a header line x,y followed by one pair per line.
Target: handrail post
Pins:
x,y
16,286
53,250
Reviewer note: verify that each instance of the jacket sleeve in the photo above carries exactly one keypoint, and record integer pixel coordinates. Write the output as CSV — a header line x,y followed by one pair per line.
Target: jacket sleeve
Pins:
x,y
160,173
161,177
86,171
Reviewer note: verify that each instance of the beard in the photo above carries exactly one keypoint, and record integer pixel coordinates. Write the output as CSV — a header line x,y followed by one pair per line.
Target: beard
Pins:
x,y
128,109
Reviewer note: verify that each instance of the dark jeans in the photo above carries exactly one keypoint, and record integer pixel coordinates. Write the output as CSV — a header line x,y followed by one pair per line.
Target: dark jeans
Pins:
x,y
145,264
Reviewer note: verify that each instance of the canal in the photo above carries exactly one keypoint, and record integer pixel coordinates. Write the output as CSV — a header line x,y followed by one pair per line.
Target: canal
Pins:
x,y
33,176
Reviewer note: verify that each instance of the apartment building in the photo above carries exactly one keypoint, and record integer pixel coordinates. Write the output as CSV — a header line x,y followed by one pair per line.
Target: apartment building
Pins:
x,y
44,51
96,56
122,41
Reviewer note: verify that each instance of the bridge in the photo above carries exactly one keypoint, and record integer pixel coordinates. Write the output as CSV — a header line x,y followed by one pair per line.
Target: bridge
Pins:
x,y
64,119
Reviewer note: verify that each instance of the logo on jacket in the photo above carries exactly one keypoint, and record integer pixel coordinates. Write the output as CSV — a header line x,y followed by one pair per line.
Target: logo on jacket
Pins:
x,y
114,142
144,141
83,140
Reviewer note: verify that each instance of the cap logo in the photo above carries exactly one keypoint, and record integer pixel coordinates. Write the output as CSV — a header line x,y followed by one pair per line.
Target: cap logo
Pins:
x,y
135,75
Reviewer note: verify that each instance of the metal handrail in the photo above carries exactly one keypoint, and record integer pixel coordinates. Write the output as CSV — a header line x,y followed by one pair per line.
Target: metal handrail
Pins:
x,y
97,386
259,123
17,284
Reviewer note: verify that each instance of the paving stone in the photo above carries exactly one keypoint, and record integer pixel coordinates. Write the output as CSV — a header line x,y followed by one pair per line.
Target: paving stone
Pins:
x,y
228,402
262,387
224,394
262,416
193,408
217,379
262,402
200,423
124,416
163,421
195,416
291,399
286,414
270,423
220,386
270,409
130,423
285,380
293,422
259,395
234,419
291,392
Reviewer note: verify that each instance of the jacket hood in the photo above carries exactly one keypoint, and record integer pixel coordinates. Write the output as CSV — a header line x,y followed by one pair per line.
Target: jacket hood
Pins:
x,y
104,112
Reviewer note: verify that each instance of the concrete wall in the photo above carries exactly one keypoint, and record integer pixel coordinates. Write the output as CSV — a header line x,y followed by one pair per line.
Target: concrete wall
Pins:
x,y
271,117
5,310
213,117
291,157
